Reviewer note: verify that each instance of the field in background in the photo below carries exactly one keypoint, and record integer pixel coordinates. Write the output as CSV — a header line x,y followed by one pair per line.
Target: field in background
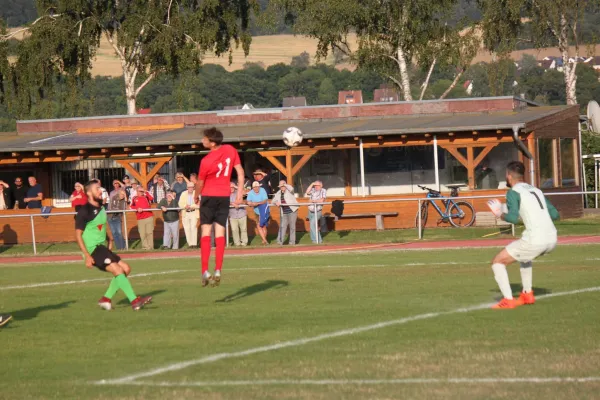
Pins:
x,y
61,345
274,49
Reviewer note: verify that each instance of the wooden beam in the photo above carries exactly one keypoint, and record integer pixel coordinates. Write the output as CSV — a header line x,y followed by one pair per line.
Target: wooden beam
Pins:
x,y
475,133
132,128
149,148
486,150
450,133
195,146
302,162
471,167
333,139
171,147
132,171
15,154
264,143
347,174
242,144
37,153
499,132
105,151
459,157
427,135
82,151
288,168
60,152
156,168
273,159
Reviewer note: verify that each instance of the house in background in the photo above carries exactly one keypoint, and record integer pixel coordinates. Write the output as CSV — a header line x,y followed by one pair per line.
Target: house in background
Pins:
x,y
294,102
385,95
350,97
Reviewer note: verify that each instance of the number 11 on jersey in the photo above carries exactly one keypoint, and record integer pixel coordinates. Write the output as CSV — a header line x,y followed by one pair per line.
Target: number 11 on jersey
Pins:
x,y
227,167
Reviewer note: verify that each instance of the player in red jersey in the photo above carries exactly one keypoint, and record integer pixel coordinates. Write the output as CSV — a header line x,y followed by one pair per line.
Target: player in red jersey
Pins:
x,y
213,189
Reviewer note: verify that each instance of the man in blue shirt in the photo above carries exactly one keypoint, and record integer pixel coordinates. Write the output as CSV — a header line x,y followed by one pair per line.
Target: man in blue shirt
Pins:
x,y
259,199
34,195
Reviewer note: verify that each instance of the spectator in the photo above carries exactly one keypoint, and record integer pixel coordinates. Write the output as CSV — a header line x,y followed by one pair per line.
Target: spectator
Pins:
x,y
159,189
5,200
259,199
171,221
78,198
19,192
134,190
118,202
191,215
260,176
485,177
117,187
316,194
194,178
179,186
145,219
127,182
34,194
105,195
289,213
238,218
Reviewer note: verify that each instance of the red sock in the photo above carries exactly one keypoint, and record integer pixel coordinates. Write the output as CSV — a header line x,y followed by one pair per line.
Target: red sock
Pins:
x,y
220,252
205,252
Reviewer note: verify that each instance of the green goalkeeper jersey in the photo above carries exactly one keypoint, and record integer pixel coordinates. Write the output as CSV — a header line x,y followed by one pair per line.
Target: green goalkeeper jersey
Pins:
x,y
92,221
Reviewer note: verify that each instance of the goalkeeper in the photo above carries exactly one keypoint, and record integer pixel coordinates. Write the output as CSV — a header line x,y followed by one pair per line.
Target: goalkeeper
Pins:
x,y
539,238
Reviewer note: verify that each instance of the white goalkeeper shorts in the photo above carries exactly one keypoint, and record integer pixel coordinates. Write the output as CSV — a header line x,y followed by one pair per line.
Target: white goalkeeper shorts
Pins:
x,y
523,251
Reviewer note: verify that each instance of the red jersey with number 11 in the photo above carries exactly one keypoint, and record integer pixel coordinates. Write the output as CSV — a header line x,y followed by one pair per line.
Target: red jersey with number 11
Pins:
x,y
215,171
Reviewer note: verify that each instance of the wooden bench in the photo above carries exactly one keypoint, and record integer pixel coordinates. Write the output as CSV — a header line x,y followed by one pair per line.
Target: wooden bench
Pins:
x,y
378,217
488,219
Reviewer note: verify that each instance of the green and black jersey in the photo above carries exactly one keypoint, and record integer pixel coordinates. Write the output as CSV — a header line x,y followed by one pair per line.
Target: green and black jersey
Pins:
x,y
92,221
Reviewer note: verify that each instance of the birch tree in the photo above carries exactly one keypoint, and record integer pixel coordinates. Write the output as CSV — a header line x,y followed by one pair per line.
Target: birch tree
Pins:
x,y
149,37
391,34
552,22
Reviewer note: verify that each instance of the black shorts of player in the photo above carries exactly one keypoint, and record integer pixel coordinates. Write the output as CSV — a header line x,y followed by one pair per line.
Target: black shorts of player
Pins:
x,y
214,209
103,257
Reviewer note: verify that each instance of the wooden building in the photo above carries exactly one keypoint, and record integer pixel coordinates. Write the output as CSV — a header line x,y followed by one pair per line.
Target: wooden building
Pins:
x,y
374,151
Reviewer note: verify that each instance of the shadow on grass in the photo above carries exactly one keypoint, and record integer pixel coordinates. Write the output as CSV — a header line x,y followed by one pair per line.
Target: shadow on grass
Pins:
x,y
254,289
153,293
516,289
31,313
336,280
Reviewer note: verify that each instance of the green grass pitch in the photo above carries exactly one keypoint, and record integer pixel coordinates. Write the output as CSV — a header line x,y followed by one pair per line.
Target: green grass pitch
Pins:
x,y
61,344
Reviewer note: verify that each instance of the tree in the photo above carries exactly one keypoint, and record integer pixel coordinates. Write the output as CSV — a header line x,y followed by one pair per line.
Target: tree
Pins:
x,y
301,61
327,92
150,38
390,33
548,22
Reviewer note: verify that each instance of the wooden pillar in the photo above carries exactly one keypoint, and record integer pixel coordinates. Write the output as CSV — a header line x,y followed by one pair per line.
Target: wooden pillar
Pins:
x,y
470,162
533,150
347,174
289,169
288,165
143,176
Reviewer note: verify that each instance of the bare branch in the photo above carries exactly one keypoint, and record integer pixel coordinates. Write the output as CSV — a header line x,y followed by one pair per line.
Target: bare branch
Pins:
x,y
396,81
453,85
143,84
15,33
120,54
426,83
169,12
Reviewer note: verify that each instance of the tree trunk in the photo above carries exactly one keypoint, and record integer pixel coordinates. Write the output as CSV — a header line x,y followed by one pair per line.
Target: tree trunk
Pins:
x,y
130,94
453,85
426,83
404,78
569,69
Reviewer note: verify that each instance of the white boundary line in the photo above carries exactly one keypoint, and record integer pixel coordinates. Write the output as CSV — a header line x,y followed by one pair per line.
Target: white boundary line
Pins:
x,y
323,267
129,379
405,381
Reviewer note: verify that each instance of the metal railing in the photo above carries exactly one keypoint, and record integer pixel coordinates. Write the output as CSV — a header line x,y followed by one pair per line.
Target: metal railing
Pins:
x,y
419,202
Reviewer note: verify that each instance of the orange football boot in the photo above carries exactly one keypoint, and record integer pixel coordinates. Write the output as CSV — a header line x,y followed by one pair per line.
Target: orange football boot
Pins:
x,y
506,303
526,298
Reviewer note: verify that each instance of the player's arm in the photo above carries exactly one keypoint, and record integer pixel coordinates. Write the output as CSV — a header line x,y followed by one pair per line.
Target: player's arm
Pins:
x,y
80,222
552,210
513,204
109,237
240,184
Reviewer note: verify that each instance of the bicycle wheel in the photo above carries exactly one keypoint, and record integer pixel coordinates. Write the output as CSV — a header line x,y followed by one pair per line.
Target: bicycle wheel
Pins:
x,y
462,214
424,213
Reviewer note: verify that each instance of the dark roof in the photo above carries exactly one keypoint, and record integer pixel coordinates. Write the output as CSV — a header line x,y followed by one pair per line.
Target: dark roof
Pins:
x,y
316,128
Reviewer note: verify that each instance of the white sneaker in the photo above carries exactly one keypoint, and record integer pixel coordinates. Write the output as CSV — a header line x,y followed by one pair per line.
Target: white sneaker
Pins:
x,y
206,278
217,278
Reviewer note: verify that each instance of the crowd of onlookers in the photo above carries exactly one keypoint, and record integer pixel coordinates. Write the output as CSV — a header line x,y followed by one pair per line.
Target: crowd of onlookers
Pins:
x,y
177,201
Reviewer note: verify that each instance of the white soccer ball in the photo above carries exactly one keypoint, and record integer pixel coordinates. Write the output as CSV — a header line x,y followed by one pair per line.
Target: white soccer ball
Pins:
x,y
504,208
292,137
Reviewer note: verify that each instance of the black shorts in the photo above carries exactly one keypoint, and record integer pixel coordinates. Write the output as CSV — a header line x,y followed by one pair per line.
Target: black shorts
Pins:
x,y
103,257
214,209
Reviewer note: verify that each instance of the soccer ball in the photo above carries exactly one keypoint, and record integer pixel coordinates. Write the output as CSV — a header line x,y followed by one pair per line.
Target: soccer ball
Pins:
x,y
504,208
292,137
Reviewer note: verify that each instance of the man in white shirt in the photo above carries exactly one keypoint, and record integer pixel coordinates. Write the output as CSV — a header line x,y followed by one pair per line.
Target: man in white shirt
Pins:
x,y
191,215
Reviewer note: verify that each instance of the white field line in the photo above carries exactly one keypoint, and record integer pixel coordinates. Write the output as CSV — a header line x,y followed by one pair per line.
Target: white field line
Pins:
x,y
416,264
405,381
130,379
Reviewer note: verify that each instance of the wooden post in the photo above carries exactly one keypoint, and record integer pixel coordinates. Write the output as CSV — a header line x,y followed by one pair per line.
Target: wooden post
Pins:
x,y
143,176
347,174
289,169
288,166
471,167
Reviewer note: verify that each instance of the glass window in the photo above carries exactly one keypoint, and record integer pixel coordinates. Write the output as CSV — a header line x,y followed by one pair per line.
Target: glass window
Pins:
x,y
546,163
568,162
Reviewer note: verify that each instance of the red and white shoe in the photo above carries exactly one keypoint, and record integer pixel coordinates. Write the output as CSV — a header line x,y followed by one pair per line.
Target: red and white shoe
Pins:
x,y
140,302
526,298
105,303
506,304
216,281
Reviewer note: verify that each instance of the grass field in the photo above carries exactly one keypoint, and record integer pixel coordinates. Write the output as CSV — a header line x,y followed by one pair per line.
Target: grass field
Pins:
x,y
424,317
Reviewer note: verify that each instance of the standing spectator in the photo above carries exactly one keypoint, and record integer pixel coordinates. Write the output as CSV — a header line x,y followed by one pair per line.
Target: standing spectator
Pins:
x,y
193,178
5,200
191,215
485,177
260,176
78,198
34,194
179,186
259,199
316,194
238,218
159,189
171,221
145,219
289,213
117,187
127,182
134,190
118,202
105,195
19,192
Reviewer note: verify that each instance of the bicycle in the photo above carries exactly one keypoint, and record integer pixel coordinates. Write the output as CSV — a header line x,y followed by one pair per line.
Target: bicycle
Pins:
x,y
460,214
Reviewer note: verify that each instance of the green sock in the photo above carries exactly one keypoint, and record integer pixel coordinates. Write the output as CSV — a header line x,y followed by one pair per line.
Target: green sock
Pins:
x,y
112,288
125,286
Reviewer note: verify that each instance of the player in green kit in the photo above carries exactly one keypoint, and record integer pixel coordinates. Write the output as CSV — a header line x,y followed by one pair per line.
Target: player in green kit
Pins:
x,y
92,234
